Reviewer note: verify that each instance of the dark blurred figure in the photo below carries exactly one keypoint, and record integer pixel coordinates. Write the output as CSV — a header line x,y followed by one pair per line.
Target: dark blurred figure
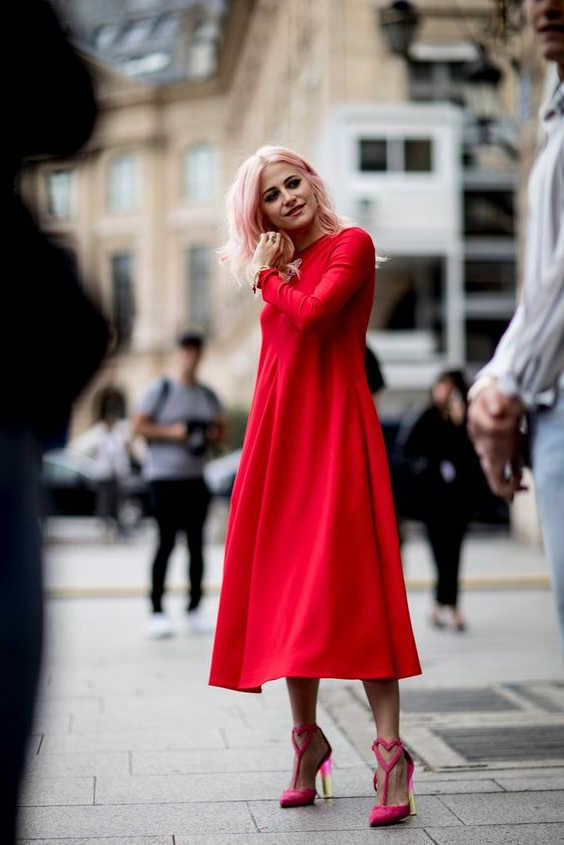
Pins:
x,y
107,445
180,418
374,375
446,473
51,341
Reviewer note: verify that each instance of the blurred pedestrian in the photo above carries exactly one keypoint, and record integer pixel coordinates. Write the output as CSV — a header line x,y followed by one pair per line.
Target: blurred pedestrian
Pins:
x,y
374,375
52,339
180,418
313,584
445,472
526,374
107,445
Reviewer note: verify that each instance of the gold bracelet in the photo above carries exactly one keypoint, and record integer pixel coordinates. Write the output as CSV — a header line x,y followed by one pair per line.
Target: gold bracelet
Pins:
x,y
254,280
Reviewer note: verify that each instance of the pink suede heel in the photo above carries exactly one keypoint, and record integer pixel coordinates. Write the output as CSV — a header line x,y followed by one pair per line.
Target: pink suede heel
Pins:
x,y
383,814
294,797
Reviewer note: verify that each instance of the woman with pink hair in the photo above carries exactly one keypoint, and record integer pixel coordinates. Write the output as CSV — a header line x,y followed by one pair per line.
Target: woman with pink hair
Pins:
x,y
313,585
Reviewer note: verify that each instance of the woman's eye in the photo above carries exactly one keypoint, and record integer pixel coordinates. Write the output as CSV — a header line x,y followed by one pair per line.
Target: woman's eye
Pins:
x,y
293,183
270,197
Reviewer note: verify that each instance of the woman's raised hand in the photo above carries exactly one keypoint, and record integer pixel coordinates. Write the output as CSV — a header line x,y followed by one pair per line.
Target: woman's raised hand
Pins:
x,y
268,249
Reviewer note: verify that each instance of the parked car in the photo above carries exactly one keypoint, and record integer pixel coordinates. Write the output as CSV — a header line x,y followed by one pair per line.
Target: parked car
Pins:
x,y
69,488
220,473
69,485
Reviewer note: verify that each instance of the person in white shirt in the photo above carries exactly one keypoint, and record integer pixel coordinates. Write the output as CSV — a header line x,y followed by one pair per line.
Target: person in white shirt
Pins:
x,y
106,444
526,373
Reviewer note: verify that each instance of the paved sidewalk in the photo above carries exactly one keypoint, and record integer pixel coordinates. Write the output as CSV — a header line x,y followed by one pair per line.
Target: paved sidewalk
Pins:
x,y
131,747
79,564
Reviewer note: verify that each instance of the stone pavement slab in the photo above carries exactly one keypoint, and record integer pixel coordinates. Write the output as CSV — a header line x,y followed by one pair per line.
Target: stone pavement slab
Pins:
x,y
278,758
531,783
239,786
507,808
54,707
104,840
79,764
133,740
343,814
452,786
395,836
40,791
136,820
514,834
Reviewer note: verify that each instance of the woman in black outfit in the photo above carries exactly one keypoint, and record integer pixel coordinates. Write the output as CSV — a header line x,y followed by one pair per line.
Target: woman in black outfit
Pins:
x,y
446,470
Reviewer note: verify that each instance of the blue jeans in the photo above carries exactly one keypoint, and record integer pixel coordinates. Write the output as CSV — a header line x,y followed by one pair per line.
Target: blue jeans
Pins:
x,y
547,451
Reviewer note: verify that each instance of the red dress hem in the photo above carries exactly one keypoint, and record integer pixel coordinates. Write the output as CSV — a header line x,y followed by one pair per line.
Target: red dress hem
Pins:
x,y
318,676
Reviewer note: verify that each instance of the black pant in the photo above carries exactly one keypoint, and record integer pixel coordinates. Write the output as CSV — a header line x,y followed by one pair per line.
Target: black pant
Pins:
x,y
108,500
445,536
179,505
21,612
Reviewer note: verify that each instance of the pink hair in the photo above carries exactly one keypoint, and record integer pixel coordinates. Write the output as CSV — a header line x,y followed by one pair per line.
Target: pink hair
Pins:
x,y
246,220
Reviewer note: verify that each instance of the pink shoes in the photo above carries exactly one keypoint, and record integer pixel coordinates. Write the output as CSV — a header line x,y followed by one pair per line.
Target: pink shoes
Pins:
x,y
383,814
294,797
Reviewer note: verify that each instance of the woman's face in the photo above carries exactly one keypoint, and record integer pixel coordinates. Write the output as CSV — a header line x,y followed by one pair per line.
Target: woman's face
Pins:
x,y
287,198
441,392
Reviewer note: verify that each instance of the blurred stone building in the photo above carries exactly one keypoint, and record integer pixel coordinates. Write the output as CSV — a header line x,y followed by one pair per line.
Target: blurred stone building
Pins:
x,y
188,89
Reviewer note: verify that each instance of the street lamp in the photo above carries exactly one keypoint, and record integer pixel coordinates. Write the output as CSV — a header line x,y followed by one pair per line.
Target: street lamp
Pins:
x,y
398,22
481,83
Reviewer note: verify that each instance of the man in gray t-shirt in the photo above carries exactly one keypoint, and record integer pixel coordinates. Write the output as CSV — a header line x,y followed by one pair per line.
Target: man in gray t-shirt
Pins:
x,y
180,418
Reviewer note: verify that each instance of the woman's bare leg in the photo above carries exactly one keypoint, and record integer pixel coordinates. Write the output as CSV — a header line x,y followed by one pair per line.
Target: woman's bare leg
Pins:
x,y
303,702
383,697
303,699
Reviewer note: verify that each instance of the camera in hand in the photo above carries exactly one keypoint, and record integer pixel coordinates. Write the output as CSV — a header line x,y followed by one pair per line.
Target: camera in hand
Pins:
x,y
197,436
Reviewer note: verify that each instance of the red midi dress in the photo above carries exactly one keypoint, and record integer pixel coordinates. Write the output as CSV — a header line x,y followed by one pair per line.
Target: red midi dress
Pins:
x,y
313,584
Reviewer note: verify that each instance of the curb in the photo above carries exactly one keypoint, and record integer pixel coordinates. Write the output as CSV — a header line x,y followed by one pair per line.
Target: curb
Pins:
x,y
533,580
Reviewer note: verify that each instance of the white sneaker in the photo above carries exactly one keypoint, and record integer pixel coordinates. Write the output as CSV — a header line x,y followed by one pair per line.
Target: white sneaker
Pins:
x,y
159,627
199,622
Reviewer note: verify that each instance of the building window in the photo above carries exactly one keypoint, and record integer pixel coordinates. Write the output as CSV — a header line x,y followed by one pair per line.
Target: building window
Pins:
x,y
123,299
483,333
373,154
199,173
136,33
198,267
59,193
439,81
411,292
106,35
489,213
395,155
418,155
490,276
123,183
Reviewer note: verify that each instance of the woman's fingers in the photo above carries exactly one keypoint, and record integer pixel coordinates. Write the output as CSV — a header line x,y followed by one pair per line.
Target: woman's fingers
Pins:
x,y
268,247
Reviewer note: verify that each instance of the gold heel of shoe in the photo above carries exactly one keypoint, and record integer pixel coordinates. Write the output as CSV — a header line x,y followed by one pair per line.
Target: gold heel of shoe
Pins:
x,y
326,778
412,807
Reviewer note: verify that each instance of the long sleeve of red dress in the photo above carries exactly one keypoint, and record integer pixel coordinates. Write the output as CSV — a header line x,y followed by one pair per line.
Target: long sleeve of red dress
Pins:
x,y
351,262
